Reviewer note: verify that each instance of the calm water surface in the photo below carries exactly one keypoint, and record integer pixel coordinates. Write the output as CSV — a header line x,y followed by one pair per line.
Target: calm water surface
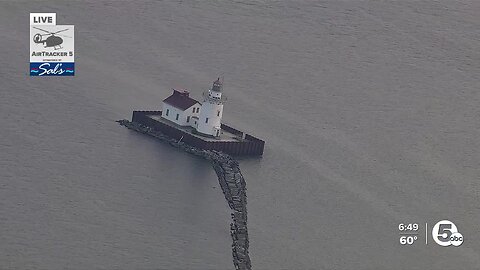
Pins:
x,y
370,111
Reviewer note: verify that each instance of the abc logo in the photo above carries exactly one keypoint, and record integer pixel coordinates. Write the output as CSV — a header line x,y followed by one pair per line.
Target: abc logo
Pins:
x,y
445,233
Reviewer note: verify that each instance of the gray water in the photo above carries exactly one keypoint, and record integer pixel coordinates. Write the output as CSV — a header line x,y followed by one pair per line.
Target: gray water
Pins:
x,y
370,111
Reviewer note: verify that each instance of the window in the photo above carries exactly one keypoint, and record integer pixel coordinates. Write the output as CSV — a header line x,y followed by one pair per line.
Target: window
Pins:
x,y
188,119
218,113
198,109
206,120
167,112
176,118
193,110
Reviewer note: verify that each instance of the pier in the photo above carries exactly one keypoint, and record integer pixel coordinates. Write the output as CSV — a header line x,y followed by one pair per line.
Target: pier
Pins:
x,y
231,181
231,141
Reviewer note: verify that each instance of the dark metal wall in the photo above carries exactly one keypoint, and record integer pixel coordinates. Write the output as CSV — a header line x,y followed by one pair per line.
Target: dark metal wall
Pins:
x,y
250,146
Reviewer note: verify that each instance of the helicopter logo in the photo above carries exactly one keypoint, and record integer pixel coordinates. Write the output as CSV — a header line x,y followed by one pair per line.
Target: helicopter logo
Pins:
x,y
52,46
53,40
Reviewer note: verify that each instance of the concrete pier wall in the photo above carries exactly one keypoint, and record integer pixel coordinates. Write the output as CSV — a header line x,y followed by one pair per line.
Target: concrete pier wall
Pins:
x,y
249,146
231,181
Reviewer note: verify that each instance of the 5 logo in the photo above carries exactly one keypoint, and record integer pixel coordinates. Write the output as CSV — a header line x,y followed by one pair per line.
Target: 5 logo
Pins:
x,y
445,233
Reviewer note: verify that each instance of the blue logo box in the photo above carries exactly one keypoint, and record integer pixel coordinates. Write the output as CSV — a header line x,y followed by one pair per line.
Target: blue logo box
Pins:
x,y
52,69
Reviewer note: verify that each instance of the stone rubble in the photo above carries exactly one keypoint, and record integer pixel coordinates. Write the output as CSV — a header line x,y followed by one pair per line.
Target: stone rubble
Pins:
x,y
233,186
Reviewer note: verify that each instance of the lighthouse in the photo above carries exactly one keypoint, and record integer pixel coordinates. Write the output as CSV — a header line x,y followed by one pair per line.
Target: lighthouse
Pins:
x,y
194,124
209,120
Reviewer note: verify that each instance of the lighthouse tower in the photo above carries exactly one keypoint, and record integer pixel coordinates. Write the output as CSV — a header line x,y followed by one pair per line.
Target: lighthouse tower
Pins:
x,y
211,112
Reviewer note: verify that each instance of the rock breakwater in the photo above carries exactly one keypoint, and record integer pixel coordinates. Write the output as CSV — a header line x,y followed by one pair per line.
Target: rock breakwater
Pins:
x,y
232,183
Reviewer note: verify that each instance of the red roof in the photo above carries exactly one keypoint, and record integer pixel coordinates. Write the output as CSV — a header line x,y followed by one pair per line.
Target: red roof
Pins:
x,y
180,99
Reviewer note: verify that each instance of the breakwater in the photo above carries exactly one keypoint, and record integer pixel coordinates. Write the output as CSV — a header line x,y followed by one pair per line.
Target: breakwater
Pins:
x,y
231,181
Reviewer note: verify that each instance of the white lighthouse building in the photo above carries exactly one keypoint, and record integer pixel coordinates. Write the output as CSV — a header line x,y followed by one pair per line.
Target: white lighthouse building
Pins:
x,y
185,111
210,117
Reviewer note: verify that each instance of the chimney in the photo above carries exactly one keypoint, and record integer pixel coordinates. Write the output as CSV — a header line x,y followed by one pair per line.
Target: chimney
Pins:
x,y
181,92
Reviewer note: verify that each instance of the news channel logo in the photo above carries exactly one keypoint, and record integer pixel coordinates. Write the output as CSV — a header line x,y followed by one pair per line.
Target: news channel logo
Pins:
x,y
52,50
445,233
